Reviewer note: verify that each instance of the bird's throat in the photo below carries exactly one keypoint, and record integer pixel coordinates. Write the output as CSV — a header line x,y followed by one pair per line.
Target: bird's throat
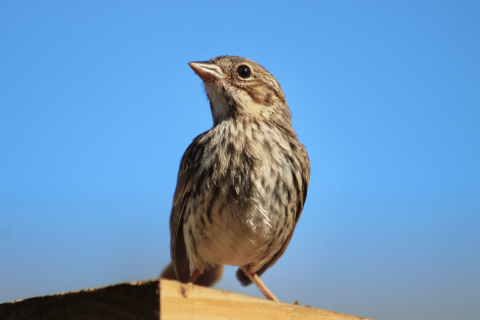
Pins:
x,y
221,107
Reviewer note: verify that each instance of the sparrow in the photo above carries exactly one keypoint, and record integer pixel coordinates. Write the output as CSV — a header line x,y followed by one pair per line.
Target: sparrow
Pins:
x,y
242,185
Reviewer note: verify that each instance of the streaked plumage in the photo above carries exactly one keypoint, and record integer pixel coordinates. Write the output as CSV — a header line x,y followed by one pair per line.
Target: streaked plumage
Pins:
x,y
242,184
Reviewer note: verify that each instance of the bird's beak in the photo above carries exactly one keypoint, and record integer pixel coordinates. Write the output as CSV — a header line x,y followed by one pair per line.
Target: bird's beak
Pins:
x,y
207,71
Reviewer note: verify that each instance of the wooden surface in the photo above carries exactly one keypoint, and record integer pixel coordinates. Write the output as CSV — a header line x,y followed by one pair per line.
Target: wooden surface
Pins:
x,y
136,300
162,299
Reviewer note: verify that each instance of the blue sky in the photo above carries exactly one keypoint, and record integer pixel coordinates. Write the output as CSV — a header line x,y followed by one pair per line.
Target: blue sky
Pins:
x,y
97,105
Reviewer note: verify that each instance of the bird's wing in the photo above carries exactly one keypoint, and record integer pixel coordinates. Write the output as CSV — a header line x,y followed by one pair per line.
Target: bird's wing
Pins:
x,y
302,185
183,190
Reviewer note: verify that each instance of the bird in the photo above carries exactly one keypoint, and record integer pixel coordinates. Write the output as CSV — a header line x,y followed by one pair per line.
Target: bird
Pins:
x,y
241,185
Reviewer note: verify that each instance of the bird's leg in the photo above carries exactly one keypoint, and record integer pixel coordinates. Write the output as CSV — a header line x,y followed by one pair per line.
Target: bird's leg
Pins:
x,y
260,285
194,276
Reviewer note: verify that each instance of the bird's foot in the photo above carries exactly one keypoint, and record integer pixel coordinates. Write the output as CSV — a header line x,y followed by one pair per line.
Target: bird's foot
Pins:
x,y
260,285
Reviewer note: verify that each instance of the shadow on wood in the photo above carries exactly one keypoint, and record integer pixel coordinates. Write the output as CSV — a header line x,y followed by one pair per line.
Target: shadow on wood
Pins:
x,y
159,299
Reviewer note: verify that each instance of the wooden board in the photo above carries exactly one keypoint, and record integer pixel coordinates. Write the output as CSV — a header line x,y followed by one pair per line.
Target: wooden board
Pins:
x,y
164,299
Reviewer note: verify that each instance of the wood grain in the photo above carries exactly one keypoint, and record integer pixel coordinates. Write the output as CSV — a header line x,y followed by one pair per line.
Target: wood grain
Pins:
x,y
136,300
164,299
185,301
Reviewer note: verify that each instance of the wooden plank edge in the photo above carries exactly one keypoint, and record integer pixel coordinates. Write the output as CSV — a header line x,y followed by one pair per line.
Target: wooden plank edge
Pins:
x,y
158,299
186,301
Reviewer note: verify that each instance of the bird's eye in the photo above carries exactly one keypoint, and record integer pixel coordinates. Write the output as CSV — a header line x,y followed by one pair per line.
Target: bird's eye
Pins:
x,y
244,72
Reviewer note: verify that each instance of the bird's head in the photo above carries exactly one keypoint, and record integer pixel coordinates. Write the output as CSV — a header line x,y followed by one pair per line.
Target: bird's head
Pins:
x,y
241,88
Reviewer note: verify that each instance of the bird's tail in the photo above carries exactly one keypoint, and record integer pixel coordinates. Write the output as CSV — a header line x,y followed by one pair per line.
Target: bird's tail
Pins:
x,y
207,279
